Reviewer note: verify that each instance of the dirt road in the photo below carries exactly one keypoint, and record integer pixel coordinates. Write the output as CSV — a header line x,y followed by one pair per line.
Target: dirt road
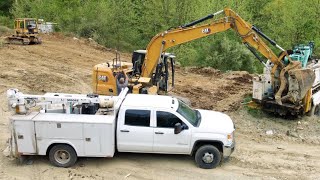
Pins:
x,y
290,151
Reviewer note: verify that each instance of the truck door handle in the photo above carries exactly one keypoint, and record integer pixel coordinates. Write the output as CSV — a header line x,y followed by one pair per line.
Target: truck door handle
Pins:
x,y
124,130
159,133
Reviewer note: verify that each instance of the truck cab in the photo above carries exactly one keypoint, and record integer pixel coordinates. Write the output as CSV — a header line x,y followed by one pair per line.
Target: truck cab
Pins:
x,y
164,124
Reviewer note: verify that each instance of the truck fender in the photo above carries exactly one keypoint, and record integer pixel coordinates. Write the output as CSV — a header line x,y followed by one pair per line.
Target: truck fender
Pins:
x,y
199,143
55,142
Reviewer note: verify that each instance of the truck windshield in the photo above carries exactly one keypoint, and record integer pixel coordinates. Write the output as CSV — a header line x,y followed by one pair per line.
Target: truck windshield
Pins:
x,y
193,116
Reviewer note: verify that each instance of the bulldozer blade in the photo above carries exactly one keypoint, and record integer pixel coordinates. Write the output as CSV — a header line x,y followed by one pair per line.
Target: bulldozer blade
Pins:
x,y
300,81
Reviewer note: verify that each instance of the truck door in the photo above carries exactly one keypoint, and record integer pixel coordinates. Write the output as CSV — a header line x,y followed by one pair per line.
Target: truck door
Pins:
x,y
134,131
165,141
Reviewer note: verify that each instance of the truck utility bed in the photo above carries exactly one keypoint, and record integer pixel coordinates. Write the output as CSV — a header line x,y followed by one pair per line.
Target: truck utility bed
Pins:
x,y
92,135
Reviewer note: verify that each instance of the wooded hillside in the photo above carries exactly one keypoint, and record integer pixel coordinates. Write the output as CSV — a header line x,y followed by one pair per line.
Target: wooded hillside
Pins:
x,y
130,24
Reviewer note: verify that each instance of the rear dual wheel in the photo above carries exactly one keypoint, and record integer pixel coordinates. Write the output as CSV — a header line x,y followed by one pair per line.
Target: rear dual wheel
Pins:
x,y
62,155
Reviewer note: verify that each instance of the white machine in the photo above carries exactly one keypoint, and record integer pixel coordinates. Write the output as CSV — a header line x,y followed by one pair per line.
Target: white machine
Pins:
x,y
262,89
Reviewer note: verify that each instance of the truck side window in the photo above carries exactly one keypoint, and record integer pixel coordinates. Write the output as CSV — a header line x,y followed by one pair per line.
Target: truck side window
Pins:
x,y
167,120
137,117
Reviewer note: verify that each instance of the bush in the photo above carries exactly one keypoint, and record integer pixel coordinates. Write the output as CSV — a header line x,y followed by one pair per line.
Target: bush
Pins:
x,y
6,21
1,43
4,31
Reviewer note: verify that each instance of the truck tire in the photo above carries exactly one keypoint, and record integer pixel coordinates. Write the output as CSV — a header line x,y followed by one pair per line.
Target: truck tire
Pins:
x,y
62,155
208,157
315,111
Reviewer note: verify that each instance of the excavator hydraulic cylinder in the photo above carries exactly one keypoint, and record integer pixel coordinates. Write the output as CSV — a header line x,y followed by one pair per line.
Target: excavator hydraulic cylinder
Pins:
x,y
210,16
257,30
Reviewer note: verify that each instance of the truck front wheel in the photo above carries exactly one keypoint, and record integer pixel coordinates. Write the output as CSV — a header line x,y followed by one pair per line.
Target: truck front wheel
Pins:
x,y
62,155
208,157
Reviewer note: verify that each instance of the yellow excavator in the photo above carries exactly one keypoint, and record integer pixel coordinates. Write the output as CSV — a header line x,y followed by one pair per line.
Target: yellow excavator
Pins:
x,y
290,83
26,32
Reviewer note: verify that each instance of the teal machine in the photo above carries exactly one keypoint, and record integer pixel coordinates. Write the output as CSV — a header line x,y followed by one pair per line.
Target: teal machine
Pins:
x,y
301,53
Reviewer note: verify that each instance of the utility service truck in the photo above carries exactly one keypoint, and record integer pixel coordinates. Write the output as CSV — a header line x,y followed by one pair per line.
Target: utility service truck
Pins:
x,y
67,126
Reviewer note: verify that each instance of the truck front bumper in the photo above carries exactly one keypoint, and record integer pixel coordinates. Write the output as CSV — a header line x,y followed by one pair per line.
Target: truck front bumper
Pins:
x,y
227,150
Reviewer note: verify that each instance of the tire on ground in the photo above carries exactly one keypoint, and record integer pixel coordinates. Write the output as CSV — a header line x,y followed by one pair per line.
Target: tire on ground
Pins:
x,y
210,151
315,111
62,155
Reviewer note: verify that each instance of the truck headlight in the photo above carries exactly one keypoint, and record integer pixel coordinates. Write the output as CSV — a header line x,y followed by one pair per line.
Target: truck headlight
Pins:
x,y
230,138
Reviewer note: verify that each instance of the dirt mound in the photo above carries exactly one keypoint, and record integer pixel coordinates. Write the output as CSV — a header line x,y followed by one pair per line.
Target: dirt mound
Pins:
x,y
206,71
211,89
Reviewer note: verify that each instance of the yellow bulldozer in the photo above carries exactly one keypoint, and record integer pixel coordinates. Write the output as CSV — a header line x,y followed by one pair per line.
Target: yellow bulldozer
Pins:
x,y
26,32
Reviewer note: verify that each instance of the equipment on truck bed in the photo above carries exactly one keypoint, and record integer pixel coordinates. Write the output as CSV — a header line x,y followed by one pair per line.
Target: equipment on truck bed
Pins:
x,y
59,102
290,80
26,32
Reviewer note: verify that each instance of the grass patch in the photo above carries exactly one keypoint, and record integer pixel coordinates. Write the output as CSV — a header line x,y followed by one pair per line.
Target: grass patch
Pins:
x,y
5,31
255,112
1,43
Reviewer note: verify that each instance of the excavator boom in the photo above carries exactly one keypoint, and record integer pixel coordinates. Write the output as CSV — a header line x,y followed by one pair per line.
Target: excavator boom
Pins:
x,y
248,33
252,38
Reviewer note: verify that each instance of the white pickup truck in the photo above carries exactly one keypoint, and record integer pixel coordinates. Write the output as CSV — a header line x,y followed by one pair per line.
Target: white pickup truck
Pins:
x,y
70,126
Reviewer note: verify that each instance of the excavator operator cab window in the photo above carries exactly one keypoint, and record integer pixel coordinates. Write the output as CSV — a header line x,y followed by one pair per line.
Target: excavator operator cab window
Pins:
x,y
31,24
21,24
137,60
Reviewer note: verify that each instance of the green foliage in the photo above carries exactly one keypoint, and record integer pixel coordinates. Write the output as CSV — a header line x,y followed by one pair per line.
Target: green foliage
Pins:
x,y
254,112
1,43
5,6
6,21
130,24
5,31
223,53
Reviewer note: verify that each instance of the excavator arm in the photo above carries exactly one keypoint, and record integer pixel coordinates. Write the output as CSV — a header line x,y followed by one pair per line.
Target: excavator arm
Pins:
x,y
189,32
301,80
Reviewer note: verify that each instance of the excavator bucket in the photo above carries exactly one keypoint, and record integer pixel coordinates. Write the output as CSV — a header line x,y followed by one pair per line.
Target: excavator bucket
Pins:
x,y
300,81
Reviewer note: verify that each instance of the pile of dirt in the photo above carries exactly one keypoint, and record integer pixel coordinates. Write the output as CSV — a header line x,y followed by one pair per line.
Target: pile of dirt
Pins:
x,y
210,89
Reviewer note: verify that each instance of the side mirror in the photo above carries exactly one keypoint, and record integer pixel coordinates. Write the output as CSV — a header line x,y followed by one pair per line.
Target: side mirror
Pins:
x,y
177,128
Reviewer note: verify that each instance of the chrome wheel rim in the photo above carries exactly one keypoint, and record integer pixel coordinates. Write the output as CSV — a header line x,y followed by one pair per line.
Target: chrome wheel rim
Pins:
x,y
207,157
62,156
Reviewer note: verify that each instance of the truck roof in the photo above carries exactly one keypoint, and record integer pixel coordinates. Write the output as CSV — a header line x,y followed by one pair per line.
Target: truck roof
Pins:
x,y
152,101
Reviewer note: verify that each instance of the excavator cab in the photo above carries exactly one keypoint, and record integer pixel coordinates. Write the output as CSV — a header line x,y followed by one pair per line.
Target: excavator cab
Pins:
x,y
161,77
104,81
26,26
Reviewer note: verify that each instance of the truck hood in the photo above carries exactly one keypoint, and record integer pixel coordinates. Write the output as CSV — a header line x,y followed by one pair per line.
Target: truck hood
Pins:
x,y
217,122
